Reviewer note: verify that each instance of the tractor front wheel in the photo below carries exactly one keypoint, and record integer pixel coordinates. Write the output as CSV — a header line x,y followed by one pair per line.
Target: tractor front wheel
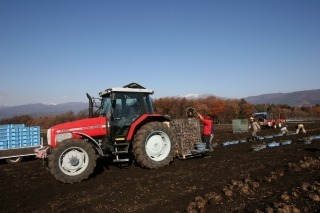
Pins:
x,y
72,160
153,145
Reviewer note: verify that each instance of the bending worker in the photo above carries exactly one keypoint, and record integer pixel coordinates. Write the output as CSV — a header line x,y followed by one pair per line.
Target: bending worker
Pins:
x,y
255,128
299,128
284,130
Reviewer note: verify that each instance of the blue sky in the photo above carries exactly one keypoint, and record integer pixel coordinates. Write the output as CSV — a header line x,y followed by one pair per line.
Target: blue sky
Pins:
x,y
56,51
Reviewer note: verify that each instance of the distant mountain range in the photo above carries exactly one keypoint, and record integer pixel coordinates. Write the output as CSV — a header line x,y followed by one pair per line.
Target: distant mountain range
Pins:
x,y
300,98
37,110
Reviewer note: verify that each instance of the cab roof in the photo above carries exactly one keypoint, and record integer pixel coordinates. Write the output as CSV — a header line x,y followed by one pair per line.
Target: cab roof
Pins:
x,y
132,87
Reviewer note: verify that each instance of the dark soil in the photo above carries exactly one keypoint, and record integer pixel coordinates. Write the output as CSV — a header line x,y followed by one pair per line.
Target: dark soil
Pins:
x,y
234,179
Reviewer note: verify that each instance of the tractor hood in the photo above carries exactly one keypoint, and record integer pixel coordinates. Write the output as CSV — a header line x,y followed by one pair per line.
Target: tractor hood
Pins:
x,y
92,127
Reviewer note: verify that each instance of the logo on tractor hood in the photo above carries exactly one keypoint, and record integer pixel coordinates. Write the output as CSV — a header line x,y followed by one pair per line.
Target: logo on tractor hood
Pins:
x,y
81,128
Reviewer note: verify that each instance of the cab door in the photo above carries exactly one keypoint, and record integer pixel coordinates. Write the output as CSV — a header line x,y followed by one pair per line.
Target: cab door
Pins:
x,y
127,108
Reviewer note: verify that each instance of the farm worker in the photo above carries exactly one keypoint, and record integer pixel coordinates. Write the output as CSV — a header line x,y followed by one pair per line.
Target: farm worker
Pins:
x,y
207,128
299,128
284,130
255,128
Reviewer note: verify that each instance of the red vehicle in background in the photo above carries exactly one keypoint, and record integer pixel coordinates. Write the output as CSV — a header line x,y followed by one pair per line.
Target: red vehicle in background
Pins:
x,y
269,120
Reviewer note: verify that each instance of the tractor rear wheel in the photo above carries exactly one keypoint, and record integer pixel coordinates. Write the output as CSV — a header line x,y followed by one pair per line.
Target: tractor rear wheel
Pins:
x,y
72,160
153,145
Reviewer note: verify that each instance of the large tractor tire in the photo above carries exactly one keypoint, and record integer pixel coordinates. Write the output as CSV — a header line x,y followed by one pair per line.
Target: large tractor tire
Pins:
x,y
72,160
153,145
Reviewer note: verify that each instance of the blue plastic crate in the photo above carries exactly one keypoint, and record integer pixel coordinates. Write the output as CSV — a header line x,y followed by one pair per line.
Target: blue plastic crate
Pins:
x,y
34,134
11,130
13,141
16,125
25,144
3,147
13,138
4,126
2,143
5,134
26,140
2,138
23,137
34,137
34,140
24,129
34,131
13,134
14,145
36,143
4,131
34,128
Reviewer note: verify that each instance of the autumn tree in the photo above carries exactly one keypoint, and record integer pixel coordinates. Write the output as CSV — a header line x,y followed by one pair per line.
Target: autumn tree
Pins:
x,y
315,111
245,109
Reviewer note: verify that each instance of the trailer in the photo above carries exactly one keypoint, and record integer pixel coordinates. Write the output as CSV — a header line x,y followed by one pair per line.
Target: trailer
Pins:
x,y
18,141
16,155
187,132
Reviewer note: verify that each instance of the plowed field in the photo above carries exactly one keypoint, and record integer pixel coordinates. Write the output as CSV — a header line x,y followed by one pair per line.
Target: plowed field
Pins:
x,y
234,179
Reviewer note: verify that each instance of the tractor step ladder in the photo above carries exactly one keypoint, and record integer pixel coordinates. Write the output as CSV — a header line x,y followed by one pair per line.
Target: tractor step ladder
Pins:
x,y
124,147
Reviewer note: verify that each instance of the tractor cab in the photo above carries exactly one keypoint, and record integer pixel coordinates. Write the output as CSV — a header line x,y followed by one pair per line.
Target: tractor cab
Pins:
x,y
122,106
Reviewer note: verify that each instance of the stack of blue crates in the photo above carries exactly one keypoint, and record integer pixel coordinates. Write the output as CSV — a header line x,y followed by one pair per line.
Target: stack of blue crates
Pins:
x,y
19,136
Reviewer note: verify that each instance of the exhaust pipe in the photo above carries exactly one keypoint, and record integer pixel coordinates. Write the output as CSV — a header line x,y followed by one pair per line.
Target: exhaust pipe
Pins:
x,y
90,106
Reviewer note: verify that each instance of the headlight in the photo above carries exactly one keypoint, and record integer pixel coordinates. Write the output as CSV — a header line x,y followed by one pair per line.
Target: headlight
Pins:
x,y
63,136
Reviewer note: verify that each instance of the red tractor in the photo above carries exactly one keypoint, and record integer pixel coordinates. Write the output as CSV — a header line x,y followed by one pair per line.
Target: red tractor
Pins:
x,y
268,120
123,126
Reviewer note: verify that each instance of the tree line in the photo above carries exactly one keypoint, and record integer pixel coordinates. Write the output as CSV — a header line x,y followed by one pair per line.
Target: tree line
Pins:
x,y
221,110
225,110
